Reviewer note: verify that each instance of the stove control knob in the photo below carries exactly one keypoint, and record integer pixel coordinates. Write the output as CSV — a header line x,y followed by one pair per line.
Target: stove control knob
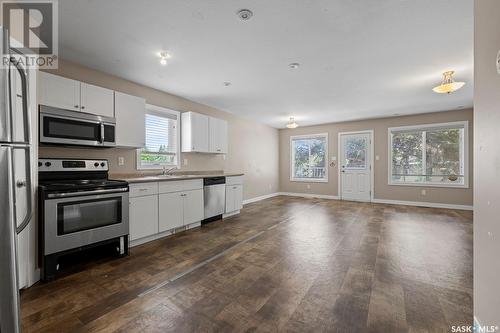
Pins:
x,y
96,164
47,164
40,164
103,164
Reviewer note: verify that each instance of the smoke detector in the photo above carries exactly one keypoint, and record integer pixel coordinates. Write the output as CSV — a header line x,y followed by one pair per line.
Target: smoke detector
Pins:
x,y
245,14
294,65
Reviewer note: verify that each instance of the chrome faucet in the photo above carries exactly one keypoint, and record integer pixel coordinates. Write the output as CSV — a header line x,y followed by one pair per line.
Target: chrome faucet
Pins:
x,y
167,171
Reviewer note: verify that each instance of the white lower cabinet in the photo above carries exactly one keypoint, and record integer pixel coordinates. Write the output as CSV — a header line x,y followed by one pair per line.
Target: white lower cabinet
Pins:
x,y
234,194
143,216
156,208
193,206
171,211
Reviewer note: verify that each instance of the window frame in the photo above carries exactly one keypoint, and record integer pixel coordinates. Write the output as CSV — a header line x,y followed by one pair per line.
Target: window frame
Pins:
x,y
177,114
426,127
292,158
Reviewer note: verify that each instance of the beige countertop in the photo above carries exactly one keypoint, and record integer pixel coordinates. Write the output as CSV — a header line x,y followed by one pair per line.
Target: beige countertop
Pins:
x,y
145,178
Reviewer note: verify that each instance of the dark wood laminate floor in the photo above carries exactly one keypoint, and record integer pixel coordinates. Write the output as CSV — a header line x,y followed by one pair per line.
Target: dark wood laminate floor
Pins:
x,y
287,264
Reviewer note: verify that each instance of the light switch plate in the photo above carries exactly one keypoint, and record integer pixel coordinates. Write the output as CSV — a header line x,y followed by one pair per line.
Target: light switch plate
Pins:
x,y
121,160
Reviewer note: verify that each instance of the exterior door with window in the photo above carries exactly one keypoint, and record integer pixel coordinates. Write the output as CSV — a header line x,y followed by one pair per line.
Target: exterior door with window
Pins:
x,y
355,166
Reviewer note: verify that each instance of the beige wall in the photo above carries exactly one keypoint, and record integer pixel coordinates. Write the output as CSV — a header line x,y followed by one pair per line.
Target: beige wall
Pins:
x,y
253,147
381,187
487,163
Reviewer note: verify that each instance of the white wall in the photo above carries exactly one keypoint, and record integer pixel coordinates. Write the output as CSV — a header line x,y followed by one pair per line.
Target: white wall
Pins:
x,y
487,163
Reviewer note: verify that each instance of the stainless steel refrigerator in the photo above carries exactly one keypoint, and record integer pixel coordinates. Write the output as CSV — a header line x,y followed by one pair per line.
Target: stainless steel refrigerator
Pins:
x,y
16,186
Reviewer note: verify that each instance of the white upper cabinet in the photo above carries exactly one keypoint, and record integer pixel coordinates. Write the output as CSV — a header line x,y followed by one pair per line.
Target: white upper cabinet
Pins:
x,y
203,134
96,100
217,135
59,92
194,131
130,114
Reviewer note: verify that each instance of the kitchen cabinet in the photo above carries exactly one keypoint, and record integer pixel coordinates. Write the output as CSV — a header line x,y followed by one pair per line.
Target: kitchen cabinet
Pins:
x,y
217,135
97,100
181,203
59,92
143,216
194,132
130,114
171,211
234,194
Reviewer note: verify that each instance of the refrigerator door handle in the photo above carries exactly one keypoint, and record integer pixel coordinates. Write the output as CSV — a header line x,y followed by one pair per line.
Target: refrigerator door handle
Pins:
x,y
26,111
5,110
29,186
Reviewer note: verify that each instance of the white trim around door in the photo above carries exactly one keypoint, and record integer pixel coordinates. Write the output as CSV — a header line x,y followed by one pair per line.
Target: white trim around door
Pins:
x,y
371,159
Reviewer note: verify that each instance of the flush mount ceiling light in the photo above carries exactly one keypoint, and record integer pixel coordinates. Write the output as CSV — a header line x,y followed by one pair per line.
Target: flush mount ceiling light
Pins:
x,y
294,65
448,85
291,123
163,57
245,14
227,84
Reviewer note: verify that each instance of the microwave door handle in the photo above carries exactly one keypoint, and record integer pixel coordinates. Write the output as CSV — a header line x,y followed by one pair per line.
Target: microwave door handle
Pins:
x,y
26,111
102,133
29,189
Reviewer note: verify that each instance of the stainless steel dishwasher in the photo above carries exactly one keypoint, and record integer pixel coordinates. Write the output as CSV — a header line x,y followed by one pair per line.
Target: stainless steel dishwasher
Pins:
x,y
214,198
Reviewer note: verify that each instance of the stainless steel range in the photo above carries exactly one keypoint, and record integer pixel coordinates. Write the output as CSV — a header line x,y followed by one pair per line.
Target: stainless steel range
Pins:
x,y
79,208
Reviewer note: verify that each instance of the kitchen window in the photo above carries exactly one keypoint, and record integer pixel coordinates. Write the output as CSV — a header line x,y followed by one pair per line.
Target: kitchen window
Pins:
x,y
162,139
309,158
429,155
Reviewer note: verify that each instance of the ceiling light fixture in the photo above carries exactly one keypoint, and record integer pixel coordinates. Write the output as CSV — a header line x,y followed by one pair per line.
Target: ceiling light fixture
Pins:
x,y
227,84
163,57
291,123
448,85
294,65
245,14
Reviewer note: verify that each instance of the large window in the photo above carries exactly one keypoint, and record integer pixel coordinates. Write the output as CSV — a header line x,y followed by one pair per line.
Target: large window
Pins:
x,y
309,158
162,139
430,155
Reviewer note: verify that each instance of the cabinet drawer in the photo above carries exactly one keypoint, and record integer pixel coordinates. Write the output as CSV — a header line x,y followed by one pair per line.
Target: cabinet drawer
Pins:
x,y
139,190
235,180
180,185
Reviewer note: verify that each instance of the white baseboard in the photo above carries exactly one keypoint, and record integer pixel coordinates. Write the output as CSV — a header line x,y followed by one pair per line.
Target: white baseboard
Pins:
x,y
262,197
310,195
423,204
226,215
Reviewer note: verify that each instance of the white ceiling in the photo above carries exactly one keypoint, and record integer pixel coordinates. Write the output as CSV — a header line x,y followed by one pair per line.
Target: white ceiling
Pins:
x,y
359,58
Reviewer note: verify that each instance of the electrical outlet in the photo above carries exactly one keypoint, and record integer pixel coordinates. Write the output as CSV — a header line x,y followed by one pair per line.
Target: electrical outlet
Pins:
x,y
121,161
224,157
424,192
498,62
377,158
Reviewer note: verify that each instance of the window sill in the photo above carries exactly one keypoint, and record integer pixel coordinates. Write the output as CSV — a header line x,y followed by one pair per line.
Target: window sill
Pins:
x,y
309,180
461,186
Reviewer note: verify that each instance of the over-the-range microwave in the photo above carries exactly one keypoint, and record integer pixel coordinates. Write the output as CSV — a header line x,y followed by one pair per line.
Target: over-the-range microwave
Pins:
x,y
64,127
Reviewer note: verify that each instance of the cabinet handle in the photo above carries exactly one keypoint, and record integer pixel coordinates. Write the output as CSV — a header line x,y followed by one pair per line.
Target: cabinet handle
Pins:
x,y
143,189
83,107
76,106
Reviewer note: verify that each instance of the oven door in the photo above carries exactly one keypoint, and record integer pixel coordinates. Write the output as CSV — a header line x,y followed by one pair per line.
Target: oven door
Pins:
x,y
77,219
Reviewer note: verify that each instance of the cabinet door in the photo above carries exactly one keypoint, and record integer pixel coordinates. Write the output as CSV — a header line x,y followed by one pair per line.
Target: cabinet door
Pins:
x,y
97,100
59,92
171,211
143,216
229,199
195,137
238,196
130,113
193,206
217,135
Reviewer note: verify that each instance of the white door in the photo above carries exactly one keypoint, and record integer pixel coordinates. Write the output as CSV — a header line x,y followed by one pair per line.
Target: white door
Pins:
x,y
171,211
355,166
97,100
59,92
143,216
193,206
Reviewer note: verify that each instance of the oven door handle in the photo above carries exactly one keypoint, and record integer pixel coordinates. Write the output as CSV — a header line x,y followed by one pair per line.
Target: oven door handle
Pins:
x,y
85,193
